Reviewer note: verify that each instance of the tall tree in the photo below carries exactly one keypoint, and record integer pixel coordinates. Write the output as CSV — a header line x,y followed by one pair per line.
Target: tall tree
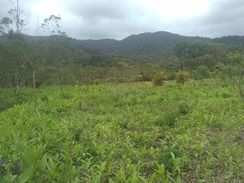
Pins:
x,y
5,25
12,26
15,14
52,26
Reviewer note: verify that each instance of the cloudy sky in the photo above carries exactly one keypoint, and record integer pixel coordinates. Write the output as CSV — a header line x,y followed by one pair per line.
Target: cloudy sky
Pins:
x,y
96,19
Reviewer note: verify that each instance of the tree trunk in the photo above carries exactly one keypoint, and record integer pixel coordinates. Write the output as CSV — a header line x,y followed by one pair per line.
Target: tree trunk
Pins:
x,y
182,64
17,17
34,85
17,83
240,87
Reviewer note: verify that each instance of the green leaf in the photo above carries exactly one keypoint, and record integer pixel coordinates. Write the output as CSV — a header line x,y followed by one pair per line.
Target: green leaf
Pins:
x,y
26,175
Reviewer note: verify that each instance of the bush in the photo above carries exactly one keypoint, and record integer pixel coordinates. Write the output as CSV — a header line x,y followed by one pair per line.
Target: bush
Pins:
x,y
169,156
159,78
168,120
182,76
201,72
144,76
171,76
183,108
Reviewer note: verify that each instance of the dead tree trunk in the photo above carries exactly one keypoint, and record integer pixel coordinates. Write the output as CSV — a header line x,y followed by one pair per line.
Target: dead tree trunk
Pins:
x,y
34,85
17,83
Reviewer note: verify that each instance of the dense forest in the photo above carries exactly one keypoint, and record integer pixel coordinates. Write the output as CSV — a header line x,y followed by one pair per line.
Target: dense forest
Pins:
x,y
136,58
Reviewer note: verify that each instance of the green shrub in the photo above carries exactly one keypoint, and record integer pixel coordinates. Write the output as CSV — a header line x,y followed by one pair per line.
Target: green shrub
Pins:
x,y
201,72
168,120
159,78
182,76
183,108
226,94
169,156
144,76
171,76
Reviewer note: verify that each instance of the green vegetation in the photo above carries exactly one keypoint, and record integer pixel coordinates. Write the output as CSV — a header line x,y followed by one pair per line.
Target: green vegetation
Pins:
x,y
123,133
182,76
159,78
201,72
58,59
104,110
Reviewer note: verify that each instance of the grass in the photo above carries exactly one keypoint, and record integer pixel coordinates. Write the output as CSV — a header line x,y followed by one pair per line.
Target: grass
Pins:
x,y
124,133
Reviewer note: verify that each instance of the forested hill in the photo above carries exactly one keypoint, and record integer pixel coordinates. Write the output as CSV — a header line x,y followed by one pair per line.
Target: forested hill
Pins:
x,y
51,50
136,57
231,40
158,44
144,48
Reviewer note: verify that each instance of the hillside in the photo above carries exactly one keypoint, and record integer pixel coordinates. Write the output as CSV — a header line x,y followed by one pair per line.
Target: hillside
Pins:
x,y
155,44
235,40
134,58
97,52
51,50
124,133
161,44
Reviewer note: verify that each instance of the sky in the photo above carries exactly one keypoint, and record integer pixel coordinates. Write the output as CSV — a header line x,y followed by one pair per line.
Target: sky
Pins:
x,y
117,19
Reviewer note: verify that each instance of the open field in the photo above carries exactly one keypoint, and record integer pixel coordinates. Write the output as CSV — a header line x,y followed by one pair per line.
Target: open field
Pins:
x,y
191,132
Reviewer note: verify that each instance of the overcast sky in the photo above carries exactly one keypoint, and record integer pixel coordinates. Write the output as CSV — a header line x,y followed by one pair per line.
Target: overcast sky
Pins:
x,y
96,19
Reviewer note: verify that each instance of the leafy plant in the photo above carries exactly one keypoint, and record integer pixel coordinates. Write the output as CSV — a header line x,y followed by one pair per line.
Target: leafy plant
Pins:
x,y
201,72
123,133
183,108
159,78
182,76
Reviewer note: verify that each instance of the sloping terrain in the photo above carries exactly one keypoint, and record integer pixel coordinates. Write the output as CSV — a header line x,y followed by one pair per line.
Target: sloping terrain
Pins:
x,y
125,133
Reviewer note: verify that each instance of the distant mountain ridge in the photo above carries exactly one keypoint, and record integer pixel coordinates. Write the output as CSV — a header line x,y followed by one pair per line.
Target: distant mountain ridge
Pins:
x,y
160,43
145,46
